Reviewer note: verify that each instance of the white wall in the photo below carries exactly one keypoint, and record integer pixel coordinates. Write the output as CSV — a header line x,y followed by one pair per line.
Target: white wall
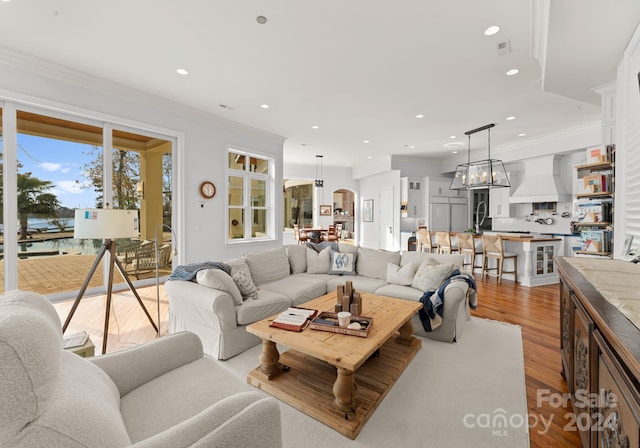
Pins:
x,y
370,187
204,138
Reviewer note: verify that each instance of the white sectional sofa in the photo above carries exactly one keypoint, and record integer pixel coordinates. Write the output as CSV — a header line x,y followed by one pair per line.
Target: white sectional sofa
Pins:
x,y
292,275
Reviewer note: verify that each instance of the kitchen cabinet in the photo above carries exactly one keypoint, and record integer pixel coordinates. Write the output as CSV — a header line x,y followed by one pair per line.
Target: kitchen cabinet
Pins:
x,y
411,200
499,206
600,353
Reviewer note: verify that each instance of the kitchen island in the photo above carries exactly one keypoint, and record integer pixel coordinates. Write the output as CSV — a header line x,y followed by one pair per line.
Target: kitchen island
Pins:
x,y
535,257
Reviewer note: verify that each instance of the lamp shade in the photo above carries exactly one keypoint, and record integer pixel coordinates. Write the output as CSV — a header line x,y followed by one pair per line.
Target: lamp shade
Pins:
x,y
488,173
100,223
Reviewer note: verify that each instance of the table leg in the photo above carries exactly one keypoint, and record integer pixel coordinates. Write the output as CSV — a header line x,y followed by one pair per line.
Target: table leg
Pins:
x,y
406,333
344,389
269,365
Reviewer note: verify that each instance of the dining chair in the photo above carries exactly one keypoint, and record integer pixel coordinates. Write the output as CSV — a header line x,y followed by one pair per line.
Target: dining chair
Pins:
x,y
331,234
493,248
467,246
443,240
300,235
424,240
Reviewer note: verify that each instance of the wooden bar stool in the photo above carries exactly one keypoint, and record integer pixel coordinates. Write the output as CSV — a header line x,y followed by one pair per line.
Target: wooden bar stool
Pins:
x,y
492,248
444,243
424,240
467,246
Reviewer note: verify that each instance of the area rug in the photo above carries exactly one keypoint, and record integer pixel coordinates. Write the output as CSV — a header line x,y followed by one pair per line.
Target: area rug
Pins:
x,y
467,394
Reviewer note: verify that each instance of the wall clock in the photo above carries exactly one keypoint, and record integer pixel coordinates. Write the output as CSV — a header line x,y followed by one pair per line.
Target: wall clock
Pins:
x,y
207,189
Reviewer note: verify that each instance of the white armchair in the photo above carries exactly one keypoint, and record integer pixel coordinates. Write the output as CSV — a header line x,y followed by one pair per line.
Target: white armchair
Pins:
x,y
161,394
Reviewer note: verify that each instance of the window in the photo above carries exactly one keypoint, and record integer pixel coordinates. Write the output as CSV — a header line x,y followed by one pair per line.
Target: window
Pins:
x,y
249,196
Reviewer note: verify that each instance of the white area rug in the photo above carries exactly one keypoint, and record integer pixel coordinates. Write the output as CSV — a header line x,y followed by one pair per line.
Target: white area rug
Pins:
x,y
467,394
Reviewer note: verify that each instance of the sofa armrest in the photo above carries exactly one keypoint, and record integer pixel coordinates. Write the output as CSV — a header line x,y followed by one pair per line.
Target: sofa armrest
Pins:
x,y
133,367
248,420
209,307
455,295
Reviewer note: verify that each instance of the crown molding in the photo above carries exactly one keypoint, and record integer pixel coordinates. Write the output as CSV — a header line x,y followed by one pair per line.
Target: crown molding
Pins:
x,y
58,72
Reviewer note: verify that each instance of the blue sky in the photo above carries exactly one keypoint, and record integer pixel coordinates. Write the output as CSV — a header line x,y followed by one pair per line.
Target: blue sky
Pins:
x,y
60,162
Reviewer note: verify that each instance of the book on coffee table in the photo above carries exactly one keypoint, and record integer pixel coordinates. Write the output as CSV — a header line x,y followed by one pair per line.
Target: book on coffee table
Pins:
x,y
294,319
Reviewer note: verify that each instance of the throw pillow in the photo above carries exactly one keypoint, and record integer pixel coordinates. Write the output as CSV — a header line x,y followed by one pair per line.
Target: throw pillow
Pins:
x,y
372,263
318,263
297,258
431,274
242,277
267,266
400,275
342,264
218,279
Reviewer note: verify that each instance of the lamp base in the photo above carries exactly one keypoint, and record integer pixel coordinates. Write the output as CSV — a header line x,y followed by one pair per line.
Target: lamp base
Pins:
x,y
108,246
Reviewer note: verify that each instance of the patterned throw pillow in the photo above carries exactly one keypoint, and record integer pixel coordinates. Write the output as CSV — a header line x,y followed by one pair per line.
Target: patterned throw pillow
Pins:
x,y
245,285
342,264
431,274
400,275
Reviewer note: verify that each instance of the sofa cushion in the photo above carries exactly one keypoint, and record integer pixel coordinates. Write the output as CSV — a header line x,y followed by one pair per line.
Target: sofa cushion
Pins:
x,y
189,389
241,275
373,263
400,292
218,279
347,248
431,274
400,275
267,266
342,263
297,258
318,263
299,288
360,283
417,258
268,304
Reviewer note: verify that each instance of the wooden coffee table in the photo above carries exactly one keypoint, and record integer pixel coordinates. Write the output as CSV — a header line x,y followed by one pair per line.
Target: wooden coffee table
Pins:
x,y
338,379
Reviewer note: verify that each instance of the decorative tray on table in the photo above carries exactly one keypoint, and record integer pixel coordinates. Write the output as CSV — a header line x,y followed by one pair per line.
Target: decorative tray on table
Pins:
x,y
328,321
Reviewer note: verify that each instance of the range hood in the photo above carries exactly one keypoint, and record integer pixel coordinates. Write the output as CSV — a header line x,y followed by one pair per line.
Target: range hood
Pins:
x,y
541,182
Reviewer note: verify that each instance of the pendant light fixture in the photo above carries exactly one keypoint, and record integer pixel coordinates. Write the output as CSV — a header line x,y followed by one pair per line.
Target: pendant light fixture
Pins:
x,y
319,182
488,173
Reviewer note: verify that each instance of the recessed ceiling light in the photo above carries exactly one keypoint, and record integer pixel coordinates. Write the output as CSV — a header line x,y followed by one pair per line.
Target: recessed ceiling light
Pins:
x,y
180,71
452,136
420,116
348,164
513,71
315,126
521,135
370,157
454,152
511,118
365,141
264,106
492,30
453,144
412,146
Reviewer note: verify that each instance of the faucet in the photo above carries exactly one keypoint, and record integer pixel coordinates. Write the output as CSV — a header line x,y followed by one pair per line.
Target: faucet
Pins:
x,y
484,215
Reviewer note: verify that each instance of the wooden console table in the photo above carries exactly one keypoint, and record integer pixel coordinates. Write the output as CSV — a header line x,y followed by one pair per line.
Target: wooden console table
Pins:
x,y
600,349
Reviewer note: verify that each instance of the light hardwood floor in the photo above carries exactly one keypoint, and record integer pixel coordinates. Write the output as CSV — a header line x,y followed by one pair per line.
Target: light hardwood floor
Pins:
x,y
536,310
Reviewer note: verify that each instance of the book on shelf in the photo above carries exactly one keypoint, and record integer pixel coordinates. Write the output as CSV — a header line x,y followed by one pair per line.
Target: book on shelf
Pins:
x,y
595,155
595,211
596,240
75,339
294,319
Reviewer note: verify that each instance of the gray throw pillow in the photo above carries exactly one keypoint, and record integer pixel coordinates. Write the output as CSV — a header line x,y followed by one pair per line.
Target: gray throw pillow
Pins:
x,y
318,263
431,274
218,279
242,277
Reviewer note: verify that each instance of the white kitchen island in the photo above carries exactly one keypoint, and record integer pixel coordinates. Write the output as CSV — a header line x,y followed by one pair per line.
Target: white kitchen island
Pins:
x,y
535,258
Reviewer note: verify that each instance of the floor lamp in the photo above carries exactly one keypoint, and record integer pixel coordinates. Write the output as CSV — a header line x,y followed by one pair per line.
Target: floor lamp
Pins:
x,y
106,224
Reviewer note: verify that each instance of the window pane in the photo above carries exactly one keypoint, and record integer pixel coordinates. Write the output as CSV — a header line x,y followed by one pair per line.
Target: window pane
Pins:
x,y
257,165
258,228
235,191
258,193
236,161
236,223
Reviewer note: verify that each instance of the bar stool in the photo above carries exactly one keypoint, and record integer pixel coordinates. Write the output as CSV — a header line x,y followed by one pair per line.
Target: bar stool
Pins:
x,y
492,248
424,240
444,243
467,246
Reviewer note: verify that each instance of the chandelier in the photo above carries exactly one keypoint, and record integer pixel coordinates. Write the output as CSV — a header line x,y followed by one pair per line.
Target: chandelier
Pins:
x,y
487,173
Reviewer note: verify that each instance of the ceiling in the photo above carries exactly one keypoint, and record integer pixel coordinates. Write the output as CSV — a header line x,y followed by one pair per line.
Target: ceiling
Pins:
x,y
359,70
